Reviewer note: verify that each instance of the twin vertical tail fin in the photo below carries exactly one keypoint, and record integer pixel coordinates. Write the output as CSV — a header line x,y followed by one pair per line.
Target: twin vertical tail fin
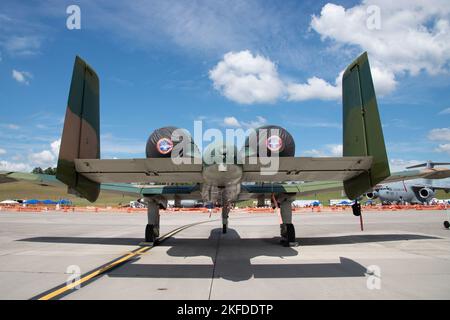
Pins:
x,y
81,132
363,134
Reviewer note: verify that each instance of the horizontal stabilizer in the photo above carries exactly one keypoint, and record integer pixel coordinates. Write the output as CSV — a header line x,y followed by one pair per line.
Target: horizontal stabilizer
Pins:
x,y
150,170
306,169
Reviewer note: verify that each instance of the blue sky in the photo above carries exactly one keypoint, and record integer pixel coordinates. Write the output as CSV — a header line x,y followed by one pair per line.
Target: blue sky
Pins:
x,y
230,64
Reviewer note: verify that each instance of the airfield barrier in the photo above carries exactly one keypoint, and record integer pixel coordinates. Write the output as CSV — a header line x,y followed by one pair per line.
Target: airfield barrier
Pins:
x,y
269,210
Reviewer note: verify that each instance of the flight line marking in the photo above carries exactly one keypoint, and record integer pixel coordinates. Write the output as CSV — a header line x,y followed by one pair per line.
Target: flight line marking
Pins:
x,y
65,288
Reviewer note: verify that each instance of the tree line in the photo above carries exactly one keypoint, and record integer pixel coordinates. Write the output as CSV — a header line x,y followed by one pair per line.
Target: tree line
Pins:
x,y
49,170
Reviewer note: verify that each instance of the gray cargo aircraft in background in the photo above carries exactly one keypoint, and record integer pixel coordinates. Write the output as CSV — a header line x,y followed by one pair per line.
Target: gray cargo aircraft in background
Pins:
x,y
416,191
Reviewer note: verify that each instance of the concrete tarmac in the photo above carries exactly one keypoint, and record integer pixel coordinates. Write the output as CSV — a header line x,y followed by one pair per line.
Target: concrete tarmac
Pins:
x,y
400,255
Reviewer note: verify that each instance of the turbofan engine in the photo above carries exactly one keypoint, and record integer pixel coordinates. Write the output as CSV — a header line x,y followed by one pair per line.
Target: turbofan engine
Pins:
x,y
372,195
426,193
163,141
270,140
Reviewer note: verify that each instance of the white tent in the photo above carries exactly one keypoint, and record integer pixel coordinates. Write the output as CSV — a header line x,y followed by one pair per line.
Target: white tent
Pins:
x,y
9,202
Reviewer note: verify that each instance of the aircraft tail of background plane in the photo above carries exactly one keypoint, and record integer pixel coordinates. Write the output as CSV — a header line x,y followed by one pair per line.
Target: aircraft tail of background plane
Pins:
x,y
362,134
81,132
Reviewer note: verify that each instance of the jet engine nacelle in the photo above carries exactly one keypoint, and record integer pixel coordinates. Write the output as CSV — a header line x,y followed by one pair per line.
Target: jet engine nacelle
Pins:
x,y
426,193
163,141
270,140
372,195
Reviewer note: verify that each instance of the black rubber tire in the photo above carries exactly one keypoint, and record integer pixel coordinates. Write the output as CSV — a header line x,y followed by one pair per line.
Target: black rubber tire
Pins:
x,y
290,233
224,228
356,207
283,230
150,233
446,224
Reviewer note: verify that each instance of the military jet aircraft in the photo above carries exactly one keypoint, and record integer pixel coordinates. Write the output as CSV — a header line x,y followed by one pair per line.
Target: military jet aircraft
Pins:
x,y
222,174
415,191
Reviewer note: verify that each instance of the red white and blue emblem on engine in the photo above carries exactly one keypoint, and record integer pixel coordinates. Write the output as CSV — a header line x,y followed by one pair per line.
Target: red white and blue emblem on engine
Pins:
x,y
274,143
164,145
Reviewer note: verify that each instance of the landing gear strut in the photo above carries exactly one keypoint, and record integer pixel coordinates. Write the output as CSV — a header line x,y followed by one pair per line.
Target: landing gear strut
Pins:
x,y
150,234
152,228
225,211
287,230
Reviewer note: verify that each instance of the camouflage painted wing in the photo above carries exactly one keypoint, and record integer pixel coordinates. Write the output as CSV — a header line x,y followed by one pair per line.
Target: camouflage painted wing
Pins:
x,y
138,190
252,191
312,188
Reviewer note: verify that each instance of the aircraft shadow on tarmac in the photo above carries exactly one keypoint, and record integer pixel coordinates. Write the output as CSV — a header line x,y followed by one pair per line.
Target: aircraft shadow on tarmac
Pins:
x,y
231,256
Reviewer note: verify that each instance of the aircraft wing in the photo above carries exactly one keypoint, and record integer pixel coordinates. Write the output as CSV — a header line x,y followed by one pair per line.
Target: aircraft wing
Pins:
x,y
306,169
11,176
184,192
434,173
250,191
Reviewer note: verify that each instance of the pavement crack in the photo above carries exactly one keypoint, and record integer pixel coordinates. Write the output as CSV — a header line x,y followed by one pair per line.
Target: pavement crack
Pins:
x,y
214,266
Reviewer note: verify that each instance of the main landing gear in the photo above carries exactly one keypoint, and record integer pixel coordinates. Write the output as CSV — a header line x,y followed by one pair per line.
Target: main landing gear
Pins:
x,y
152,228
287,230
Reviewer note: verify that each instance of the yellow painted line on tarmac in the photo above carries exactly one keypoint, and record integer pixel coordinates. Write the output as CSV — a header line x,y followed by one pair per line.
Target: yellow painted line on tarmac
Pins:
x,y
93,274
64,289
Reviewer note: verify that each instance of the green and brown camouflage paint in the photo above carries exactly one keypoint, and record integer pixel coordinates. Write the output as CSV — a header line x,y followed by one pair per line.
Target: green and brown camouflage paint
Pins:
x,y
362,134
80,138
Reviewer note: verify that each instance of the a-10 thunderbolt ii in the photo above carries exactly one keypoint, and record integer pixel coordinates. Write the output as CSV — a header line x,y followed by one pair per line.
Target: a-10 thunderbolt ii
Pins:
x,y
415,191
222,174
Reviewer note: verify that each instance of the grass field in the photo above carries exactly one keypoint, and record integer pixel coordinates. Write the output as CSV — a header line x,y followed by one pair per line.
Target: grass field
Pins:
x,y
30,190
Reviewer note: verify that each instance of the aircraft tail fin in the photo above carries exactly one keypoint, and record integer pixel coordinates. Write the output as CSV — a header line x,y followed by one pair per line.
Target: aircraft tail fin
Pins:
x,y
81,133
363,134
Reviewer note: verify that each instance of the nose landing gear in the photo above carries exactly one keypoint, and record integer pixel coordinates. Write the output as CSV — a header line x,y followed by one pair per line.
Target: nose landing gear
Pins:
x,y
225,212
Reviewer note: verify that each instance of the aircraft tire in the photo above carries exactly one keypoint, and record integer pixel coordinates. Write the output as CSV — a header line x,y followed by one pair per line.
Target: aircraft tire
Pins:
x,y
290,233
446,224
283,230
356,207
150,233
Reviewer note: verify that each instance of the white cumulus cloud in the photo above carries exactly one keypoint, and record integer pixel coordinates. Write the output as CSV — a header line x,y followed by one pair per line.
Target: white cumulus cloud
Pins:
x,y
329,150
443,148
231,122
234,122
396,165
247,78
55,145
315,88
22,76
14,166
409,35
439,134
445,111
46,158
